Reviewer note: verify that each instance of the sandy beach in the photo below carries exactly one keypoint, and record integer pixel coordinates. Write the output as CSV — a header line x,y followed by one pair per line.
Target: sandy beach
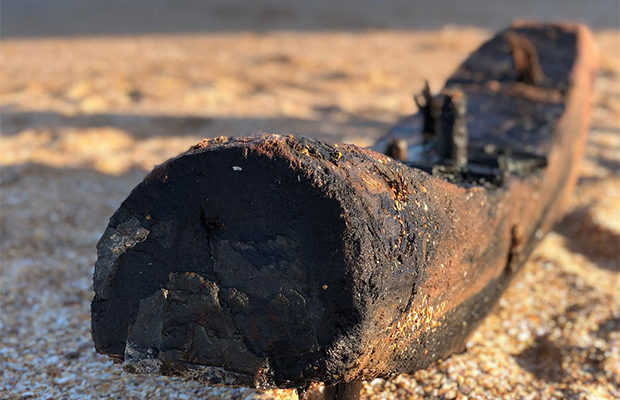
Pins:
x,y
85,117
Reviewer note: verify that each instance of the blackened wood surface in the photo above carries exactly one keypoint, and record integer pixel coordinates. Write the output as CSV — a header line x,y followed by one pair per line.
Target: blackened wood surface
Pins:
x,y
278,261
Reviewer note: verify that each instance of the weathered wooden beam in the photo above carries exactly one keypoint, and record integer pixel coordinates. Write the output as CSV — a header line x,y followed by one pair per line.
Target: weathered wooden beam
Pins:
x,y
275,261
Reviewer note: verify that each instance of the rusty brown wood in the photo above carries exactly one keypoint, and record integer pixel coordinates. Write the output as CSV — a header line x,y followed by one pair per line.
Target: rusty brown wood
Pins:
x,y
275,261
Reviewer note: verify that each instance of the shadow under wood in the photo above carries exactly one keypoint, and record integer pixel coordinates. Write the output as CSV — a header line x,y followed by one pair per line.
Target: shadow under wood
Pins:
x,y
585,235
144,125
607,327
14,122
549,362
608,163
543,359
555,360
604,154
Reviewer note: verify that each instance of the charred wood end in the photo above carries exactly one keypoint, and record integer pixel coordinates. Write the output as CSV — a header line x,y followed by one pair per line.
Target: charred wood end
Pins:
x,y
451,145
525,59
397,149
430,109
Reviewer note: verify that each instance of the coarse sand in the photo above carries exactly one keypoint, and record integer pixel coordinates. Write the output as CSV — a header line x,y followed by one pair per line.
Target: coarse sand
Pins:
x,y
83,119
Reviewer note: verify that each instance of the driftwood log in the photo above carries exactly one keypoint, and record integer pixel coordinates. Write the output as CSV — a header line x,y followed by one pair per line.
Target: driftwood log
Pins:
x,y
274,261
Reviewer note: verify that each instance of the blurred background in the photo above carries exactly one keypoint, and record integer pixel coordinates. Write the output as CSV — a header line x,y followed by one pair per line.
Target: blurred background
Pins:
x,y
24,18
94,93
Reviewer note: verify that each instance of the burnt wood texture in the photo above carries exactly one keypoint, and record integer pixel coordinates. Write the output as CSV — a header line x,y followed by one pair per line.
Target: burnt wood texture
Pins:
x,y
275,261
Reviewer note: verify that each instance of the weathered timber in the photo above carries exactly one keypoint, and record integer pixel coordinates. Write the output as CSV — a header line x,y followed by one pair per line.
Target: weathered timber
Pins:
x,y
275,261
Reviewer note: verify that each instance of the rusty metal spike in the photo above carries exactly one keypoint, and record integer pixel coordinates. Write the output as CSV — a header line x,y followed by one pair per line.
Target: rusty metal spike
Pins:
x,y
452,142
429,107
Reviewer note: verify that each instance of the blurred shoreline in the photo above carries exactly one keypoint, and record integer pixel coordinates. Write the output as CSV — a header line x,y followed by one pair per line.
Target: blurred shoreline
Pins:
x,y
59,18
